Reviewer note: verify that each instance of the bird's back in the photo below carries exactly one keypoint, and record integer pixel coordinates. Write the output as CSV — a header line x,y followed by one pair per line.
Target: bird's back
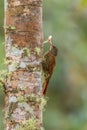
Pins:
x,y
48,63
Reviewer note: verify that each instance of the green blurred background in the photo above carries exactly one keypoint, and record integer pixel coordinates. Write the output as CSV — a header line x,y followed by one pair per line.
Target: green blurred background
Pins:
x,y
66,21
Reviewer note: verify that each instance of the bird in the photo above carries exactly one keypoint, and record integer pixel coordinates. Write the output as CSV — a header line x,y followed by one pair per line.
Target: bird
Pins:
x,y
48,64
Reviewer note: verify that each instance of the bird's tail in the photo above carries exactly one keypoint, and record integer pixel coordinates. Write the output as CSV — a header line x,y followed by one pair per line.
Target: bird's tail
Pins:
x,y
45,85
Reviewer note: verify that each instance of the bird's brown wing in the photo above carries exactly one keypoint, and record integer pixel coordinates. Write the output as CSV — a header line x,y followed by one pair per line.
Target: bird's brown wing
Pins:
x,y
48,64
45,64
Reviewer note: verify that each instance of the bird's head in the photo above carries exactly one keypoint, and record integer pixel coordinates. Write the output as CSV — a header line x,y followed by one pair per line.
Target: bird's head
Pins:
x,y
53,50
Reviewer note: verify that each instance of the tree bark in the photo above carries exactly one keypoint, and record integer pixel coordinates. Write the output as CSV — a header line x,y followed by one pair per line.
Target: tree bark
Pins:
x,y
23,86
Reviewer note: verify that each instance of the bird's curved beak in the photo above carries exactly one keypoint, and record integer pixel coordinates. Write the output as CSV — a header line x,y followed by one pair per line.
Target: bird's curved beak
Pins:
x,y
49,40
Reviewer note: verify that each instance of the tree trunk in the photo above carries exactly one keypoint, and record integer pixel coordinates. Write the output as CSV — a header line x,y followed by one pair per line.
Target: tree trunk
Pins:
x,y
23,86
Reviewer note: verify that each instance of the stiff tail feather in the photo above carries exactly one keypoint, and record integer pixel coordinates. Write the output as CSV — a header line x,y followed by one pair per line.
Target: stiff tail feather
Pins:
x,y
45,85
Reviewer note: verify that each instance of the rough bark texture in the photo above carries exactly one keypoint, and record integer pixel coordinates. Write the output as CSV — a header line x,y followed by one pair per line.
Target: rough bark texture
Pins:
x,y
23,37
